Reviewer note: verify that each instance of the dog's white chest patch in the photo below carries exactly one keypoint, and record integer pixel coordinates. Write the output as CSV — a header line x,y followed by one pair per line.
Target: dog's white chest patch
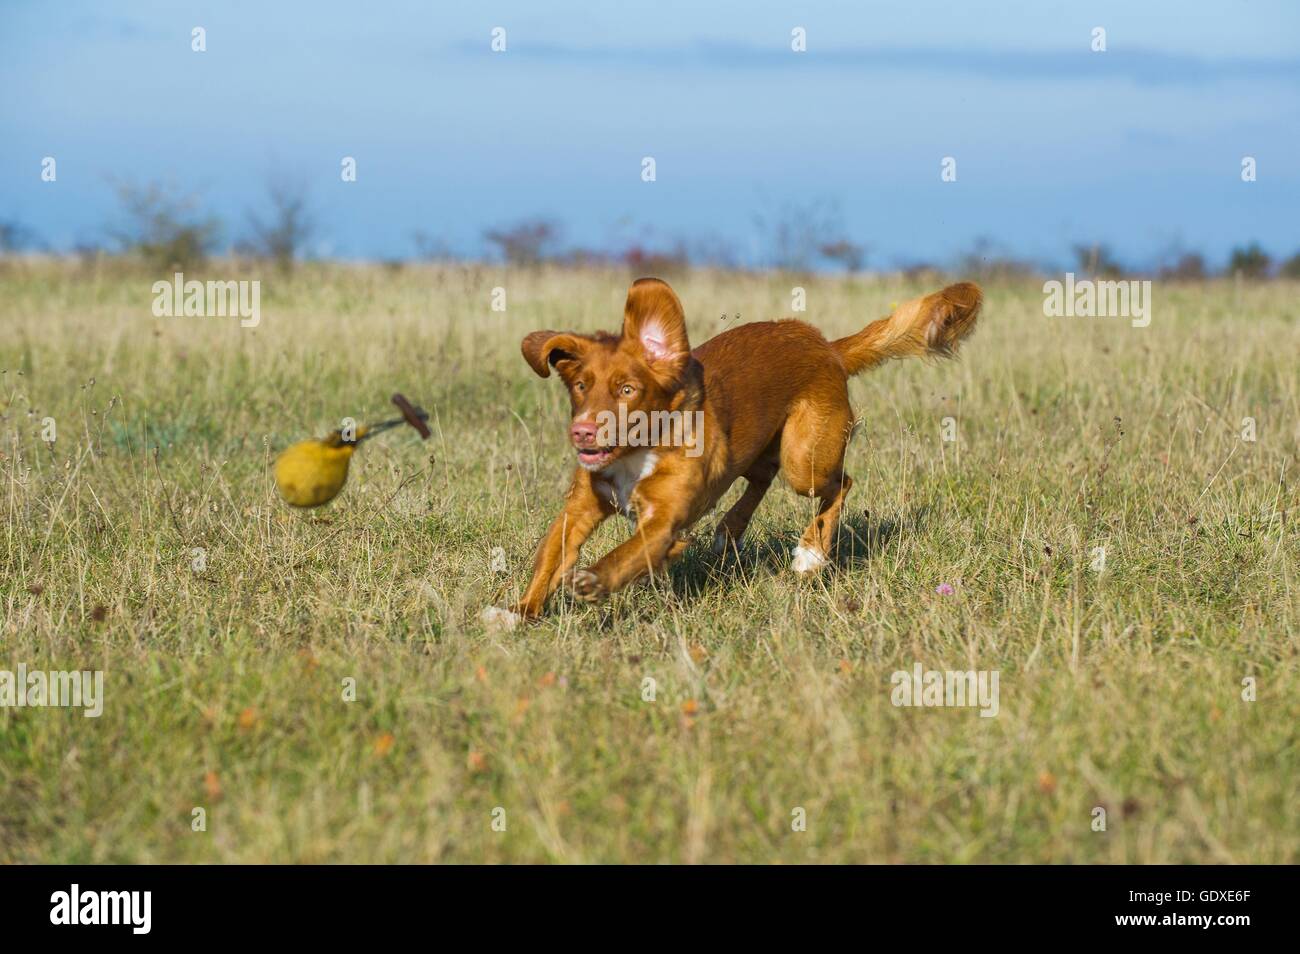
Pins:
x,y
620,478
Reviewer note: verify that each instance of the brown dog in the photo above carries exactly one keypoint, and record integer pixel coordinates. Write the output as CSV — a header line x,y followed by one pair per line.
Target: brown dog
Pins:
x,y
754,400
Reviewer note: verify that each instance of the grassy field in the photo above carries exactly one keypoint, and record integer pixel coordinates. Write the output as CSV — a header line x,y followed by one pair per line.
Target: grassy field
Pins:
x,y
224,685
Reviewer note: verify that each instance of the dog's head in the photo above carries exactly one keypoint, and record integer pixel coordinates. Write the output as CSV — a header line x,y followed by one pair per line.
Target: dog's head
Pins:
x,y
615,379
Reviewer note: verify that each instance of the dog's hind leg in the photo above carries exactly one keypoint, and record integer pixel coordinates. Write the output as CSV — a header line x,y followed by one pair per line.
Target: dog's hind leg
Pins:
x,y
812,457
731,528
817,538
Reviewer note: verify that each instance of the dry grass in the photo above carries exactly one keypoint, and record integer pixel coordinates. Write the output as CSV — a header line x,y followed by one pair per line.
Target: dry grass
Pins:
x,y
224,687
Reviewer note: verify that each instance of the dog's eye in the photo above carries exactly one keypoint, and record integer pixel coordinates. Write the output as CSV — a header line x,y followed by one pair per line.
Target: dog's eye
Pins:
x,y
579,387
628,390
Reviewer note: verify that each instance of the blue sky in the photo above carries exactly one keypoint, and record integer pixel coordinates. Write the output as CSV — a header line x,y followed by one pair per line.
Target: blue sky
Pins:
x,y
1139,147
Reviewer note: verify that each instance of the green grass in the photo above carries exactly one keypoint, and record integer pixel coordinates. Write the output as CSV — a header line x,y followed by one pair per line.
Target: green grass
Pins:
x,y
1120,689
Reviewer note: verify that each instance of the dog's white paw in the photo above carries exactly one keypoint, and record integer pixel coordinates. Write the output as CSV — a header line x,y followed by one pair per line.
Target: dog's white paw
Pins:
x,y
807,560
498,618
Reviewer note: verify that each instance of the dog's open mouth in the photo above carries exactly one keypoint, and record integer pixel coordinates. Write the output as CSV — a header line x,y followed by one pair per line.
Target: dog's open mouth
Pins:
x,y
594,455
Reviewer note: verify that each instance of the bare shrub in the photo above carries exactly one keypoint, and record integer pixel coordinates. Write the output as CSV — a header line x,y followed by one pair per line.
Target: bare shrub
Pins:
x,y
163,227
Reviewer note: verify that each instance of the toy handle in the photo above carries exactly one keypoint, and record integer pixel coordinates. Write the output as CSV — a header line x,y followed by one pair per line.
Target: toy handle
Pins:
x,y
414,416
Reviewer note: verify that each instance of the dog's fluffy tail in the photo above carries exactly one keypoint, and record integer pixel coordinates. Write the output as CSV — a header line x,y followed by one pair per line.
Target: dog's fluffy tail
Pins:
x,y
924,326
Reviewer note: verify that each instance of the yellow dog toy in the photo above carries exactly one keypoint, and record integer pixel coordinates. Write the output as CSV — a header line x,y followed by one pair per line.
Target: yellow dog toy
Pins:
x,y
311,473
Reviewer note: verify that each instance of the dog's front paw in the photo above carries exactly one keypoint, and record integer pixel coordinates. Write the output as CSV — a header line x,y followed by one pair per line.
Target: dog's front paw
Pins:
x,y
588,587
500,619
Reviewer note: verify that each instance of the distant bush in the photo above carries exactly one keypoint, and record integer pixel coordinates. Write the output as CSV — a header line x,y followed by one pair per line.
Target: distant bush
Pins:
x,y
1291,267
16,237
1250,261
1188,267
844,252
987,259
282,232
798,236
646,261
1098,261
530,242
162,227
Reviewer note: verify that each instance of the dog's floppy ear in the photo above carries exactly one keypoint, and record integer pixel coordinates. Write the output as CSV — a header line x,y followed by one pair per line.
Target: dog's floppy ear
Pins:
x,y
653,319
545,349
